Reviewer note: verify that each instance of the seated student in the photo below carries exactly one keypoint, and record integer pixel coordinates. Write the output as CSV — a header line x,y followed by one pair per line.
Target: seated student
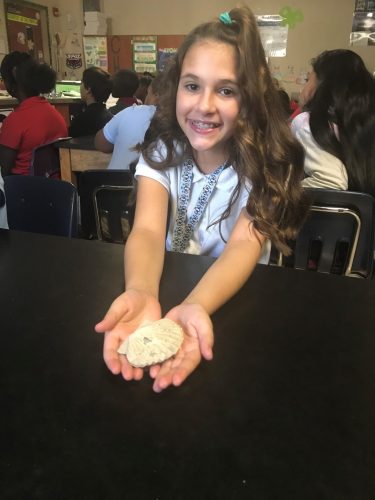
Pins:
x,y
141,92
34,122
95,89
3,211
127,129
125,83
337,129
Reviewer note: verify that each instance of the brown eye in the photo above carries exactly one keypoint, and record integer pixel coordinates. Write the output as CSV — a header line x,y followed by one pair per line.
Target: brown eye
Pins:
x,y
227,92
192,87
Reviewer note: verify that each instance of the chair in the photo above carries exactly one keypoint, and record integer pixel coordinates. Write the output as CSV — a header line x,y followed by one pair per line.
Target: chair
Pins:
x,y
113,215
40,205
45,160
337,236
88,181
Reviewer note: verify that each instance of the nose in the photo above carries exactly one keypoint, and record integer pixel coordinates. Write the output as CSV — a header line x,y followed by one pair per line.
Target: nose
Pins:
x,y
206,102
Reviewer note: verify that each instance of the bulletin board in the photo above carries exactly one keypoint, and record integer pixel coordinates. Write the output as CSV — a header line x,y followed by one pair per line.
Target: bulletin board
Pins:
x,y
27,29
120,49
95,50
144,53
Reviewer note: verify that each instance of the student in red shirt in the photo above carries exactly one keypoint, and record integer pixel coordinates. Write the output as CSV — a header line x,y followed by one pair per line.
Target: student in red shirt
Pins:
x,y
34,122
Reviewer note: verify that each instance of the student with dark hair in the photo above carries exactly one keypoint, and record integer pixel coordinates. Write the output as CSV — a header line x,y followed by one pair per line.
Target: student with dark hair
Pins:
x,y
220,173
337,128
95,89
34,122
127,129
125,83
141,92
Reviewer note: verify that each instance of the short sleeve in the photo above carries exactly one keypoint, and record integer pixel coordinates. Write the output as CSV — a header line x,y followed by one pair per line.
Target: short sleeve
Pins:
x,y
143,169
322,169
11,132
111,129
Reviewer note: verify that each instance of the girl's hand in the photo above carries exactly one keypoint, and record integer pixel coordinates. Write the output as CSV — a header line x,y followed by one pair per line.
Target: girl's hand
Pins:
x,y
198,342
128,312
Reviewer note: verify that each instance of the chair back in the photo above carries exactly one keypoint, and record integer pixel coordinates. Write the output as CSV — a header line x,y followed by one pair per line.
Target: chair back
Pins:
x,y
88,181
113,215
337,236
40,205
45,160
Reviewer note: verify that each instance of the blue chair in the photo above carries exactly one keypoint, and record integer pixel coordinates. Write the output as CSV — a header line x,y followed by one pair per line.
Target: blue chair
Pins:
x,y
41,205
45,160
337,236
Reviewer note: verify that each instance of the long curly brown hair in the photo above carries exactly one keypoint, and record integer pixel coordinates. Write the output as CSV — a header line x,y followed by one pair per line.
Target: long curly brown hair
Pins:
x,y
262,148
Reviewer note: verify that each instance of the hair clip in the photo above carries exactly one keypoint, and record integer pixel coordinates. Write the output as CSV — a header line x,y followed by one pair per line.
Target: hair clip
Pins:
x,y
225,18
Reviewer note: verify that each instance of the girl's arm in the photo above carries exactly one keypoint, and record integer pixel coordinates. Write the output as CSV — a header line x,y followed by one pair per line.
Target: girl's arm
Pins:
x,y
7,159
222,280
102,144
144,258
145,248
232,269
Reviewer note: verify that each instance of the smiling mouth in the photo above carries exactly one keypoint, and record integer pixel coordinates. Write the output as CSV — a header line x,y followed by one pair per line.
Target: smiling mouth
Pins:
x,y
200,125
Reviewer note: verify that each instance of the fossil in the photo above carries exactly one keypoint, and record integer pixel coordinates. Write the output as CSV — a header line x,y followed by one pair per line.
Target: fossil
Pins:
x,y
152,343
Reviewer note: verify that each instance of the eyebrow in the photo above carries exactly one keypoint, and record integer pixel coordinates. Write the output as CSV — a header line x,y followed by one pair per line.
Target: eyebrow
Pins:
x,y
224,81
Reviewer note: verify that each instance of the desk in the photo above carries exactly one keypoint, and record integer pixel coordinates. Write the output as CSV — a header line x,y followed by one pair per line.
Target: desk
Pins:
x,y
286,410
64,105
79,154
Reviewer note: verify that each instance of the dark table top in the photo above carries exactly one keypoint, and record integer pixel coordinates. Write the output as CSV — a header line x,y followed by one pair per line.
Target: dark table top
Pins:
x,y
286,410
12,101
85,142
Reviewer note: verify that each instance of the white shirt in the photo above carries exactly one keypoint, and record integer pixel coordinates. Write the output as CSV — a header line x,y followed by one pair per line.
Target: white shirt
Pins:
x,y
206,239
125,130
3,210
323,170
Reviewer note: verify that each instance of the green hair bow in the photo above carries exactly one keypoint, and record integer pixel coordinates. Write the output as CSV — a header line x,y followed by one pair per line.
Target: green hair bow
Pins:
x,y
225,18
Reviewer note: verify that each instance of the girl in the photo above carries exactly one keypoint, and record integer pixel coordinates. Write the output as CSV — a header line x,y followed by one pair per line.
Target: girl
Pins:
x,y
34,122
337,128
217,135
96,87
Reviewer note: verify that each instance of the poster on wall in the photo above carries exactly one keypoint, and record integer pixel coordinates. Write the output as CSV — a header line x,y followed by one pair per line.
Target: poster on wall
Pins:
x,y
163,57
95,50
274,35
144,54
363,27
25,31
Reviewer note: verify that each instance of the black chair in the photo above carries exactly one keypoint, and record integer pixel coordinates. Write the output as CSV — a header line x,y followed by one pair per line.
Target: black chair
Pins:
x,y
113,213
88,182
337,236
45,160
40,205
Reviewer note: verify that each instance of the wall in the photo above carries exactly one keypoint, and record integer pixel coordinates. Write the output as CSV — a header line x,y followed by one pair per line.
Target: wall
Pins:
x,y
326,24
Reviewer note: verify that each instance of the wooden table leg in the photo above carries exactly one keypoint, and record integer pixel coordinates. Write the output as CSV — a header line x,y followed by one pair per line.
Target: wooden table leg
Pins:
x,y
65,164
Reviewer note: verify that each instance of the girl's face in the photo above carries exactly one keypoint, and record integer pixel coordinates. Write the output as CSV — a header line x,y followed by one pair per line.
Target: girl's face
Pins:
x,y
309,88
83,91
208,101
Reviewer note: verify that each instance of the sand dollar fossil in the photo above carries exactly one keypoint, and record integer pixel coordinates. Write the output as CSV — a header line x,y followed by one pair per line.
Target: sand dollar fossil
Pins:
x,y
152,343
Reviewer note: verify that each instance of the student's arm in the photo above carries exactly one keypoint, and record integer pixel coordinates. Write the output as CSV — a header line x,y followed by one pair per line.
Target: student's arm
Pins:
x,y
232,268
7,159
222,280
144,259
102,144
